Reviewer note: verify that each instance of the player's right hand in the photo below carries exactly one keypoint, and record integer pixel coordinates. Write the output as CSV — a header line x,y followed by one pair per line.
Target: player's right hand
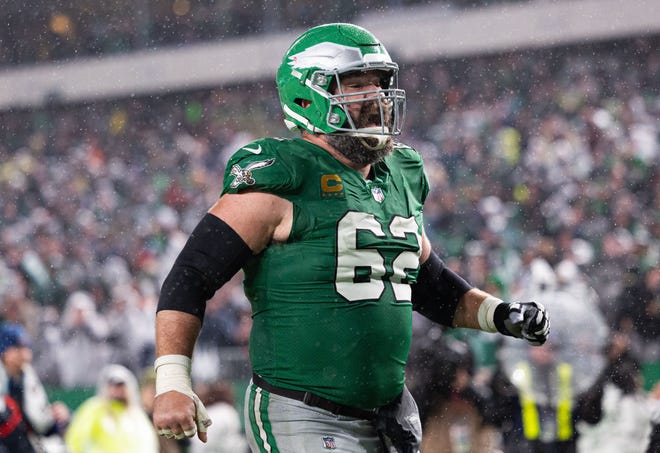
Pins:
x,y
177,415
178,411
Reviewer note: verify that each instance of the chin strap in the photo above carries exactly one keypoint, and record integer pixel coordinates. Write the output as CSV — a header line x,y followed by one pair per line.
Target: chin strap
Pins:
x,y
376,133
382,142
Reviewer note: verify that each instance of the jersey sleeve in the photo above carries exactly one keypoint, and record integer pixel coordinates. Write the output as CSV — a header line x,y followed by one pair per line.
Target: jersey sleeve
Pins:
x,y
412,165
258,166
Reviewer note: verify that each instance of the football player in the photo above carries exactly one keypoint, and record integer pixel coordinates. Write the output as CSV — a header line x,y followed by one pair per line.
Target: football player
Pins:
x,y
328,229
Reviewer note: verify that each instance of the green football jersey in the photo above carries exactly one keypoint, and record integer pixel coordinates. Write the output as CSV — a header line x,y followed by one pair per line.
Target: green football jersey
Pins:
x,y
331,306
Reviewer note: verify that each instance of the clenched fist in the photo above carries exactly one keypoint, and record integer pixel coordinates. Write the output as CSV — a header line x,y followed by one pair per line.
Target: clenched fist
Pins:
x,y
527,320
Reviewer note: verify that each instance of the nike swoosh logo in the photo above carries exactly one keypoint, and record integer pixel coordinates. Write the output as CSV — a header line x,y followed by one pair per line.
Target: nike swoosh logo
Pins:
x,y
256,150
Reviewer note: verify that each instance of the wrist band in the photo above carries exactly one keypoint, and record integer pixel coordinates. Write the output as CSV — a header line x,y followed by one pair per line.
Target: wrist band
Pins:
x,y
173,373
485,315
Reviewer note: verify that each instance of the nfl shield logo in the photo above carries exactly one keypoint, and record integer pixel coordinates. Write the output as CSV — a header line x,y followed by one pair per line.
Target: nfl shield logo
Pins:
x,y
329,443
378,194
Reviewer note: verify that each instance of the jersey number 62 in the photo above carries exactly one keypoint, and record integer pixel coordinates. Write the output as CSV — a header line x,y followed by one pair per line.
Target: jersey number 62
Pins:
x,y
361,271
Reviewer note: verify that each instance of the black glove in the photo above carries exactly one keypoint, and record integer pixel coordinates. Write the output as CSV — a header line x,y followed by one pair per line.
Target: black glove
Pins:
x,y
527,320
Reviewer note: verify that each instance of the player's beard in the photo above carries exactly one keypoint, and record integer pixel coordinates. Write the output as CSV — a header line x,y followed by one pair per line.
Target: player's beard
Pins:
x,y
362,150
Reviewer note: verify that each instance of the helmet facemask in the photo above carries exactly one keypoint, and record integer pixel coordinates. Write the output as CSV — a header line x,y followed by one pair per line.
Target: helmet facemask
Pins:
x,y
366,135
382,110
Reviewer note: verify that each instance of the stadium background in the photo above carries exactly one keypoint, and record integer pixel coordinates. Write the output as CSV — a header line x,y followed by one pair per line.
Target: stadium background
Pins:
x,y
117,118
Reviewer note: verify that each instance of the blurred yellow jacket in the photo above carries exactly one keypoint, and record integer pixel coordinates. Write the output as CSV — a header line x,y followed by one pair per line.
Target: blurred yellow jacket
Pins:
x,y
103,426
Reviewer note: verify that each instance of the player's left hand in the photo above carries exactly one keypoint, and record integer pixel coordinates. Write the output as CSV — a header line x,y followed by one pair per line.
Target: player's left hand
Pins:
x,y
527,320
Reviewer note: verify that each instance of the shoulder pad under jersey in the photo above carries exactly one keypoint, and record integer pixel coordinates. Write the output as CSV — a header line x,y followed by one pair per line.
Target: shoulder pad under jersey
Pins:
x,y
262,165
410,163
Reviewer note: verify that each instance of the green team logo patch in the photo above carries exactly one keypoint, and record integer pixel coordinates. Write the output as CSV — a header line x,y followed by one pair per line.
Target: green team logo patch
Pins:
x,y
244,175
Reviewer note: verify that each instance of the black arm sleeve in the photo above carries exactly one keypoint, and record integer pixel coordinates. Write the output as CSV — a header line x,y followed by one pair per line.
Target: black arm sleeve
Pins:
x,y
437,291
212,255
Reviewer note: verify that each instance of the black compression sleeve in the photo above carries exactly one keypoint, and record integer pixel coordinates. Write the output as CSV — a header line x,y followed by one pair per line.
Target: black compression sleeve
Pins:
x,y
437,291
212,255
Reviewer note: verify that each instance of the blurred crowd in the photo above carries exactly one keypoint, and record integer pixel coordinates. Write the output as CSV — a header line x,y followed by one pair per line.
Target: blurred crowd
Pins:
x,y
549,154
46,31
552,154
115,417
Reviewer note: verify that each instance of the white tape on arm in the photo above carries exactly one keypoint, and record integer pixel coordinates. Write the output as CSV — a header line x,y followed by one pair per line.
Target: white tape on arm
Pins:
x,y
173,374
486,313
